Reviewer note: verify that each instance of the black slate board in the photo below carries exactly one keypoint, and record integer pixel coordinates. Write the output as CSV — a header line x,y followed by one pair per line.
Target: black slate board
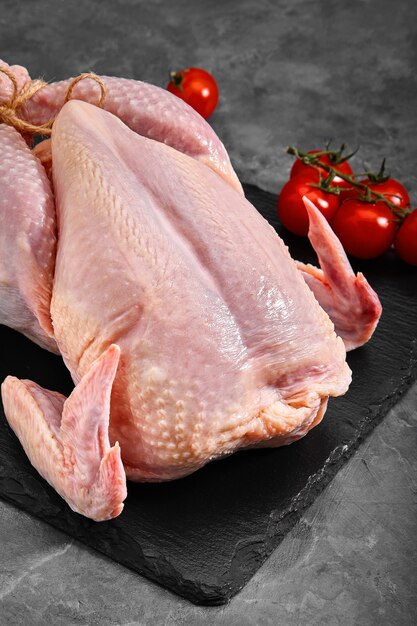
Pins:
x,y
204,536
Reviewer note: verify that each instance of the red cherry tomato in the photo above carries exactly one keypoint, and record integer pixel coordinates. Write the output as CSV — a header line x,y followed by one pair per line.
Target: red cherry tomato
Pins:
x,y
365,230
291,210
391,188
406,239
196,87
301,168
393,191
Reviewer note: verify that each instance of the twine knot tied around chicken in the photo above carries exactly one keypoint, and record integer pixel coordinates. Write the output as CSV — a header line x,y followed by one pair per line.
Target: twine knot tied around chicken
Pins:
x,y
11,110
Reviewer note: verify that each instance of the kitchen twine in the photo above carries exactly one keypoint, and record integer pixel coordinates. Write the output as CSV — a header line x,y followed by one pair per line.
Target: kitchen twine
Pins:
x,y
9,111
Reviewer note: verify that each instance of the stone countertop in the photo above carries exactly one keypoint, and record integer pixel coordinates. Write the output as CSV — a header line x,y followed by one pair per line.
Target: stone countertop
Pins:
x,y
290,72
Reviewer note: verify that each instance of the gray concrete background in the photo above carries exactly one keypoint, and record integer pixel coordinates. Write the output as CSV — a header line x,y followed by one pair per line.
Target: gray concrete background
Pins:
x,y
295,72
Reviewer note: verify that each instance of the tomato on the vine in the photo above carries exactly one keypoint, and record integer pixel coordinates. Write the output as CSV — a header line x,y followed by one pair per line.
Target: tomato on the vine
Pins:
x,y
291,210
299,168
366,230
196,87
406,239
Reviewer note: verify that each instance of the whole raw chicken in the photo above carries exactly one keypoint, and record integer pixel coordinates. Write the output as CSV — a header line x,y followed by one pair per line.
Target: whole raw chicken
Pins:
x,y
188,329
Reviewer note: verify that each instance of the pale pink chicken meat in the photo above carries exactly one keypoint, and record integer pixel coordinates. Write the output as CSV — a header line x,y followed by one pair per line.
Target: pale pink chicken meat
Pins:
x,y
171,295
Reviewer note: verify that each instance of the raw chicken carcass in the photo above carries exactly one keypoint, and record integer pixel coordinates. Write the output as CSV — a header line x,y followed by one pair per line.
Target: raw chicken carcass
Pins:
x,y
222,345
186,325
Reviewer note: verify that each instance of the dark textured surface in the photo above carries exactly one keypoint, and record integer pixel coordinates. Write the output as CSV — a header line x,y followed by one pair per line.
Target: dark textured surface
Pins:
x,y
290,72
205,535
